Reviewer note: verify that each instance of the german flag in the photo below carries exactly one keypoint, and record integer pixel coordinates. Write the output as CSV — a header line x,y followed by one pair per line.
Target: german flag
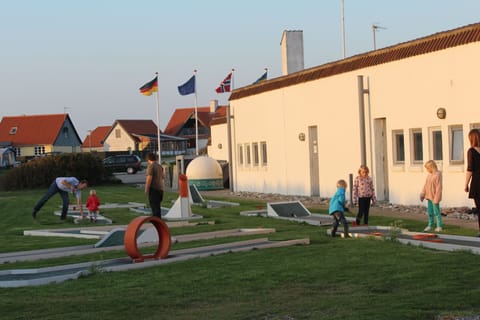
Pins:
x,y
150,87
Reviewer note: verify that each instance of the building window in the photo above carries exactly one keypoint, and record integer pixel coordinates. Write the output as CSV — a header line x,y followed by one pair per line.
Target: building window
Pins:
x,y
263,146
416,145
398,147
39,150
437,144
118,133
13,130
65,132
248,159
456,144
240,154
18,153
256,156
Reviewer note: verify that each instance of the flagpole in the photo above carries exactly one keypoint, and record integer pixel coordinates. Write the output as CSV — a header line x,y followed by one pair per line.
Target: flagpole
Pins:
x,y
158,125
196,114
229,137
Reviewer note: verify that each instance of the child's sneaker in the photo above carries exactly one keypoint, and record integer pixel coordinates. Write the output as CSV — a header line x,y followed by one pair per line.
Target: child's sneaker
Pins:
x,y
428,228
438,229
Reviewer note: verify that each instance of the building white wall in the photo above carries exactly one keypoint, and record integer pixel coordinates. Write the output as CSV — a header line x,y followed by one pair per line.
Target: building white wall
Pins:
x,y
218,149
122,143
406,93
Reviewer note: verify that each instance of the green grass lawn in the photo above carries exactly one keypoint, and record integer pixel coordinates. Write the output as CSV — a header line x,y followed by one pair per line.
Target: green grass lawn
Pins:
x,y
328,279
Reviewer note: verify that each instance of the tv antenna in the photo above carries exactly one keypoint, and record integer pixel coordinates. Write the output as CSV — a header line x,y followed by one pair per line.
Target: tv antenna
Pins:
x,y
375,28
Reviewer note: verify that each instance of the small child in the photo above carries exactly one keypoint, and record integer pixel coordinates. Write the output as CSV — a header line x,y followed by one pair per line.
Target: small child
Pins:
x,y
93,202
432,191
363,194
337,208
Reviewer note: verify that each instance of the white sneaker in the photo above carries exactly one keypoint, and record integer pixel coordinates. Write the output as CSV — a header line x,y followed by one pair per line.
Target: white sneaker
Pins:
x,y
438,229
428,228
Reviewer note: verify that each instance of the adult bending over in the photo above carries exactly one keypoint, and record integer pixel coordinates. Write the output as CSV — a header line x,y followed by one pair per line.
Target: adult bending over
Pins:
x,y
63,186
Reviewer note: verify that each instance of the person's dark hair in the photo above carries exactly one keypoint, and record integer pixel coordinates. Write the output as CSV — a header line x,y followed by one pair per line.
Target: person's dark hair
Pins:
x,y
152,156
474,137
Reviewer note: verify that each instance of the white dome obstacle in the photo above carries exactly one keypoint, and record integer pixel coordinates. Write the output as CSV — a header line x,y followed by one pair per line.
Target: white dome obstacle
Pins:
x,y
205,173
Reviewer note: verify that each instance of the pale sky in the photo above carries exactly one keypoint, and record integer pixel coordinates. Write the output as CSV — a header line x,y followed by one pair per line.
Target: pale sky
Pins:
x,y
90,57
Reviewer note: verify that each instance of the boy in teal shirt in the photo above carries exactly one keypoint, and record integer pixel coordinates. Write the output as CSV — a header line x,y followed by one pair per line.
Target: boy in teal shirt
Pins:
x,y
337,208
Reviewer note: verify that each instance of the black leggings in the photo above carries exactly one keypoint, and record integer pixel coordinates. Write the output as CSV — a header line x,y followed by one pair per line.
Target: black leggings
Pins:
x,y
363,209
477,210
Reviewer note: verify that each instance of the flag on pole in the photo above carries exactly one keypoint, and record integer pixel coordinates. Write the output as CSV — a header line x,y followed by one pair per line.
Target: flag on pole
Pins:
x,y
150,87
225,86
188,87
262,78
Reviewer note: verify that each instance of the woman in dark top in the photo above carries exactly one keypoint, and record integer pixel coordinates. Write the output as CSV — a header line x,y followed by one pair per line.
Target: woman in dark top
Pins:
x,y
472,176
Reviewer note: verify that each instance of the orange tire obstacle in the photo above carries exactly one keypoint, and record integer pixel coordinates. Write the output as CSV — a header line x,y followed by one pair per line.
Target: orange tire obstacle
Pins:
x,y
130,239
430,237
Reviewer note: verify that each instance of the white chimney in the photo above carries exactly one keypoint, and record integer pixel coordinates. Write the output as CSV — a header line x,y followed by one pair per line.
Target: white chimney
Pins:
x,y
213,105
292,51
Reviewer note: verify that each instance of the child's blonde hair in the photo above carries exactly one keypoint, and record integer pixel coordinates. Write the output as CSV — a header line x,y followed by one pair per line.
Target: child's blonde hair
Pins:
x,y
363,168
431,164
342,184
93,191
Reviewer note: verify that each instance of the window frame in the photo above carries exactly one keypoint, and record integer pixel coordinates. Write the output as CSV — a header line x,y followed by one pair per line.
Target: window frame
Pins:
x,y
398,150
255,154
433,131
240,154
248,155
39,150
263,152
416,151
455,144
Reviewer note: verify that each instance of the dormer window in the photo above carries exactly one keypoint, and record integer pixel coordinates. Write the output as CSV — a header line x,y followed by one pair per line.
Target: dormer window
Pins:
x,y
13,130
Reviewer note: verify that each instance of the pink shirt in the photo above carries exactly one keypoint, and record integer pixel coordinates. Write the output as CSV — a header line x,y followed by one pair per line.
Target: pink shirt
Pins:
x,y
432,190
363,188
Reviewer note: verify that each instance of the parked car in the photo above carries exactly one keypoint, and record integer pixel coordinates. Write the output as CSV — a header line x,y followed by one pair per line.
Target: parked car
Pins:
x,y
123,163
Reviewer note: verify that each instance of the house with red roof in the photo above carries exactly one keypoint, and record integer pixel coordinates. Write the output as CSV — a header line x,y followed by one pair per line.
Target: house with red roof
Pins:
x,y
183,124
94,140
140,136
37,135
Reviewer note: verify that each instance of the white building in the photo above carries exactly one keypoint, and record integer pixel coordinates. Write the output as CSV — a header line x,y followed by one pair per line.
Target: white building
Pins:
x,y
299,133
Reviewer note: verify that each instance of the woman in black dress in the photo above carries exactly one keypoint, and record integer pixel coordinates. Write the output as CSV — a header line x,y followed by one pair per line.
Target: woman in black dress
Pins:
x,y
472,176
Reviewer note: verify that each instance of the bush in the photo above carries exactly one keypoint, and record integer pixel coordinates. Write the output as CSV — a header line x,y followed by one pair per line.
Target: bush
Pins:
x,y
42,171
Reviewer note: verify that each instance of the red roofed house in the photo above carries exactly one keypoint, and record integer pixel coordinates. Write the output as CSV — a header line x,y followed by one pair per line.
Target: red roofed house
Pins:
x,y
36,135
141,136
94,140
182,124
131,135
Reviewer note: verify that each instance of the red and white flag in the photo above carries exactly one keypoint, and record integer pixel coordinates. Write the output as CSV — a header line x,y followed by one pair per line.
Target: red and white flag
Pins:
x,y
225,86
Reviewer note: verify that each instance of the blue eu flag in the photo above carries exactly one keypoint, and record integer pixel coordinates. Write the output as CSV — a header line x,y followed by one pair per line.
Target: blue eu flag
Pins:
x,y
188,87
